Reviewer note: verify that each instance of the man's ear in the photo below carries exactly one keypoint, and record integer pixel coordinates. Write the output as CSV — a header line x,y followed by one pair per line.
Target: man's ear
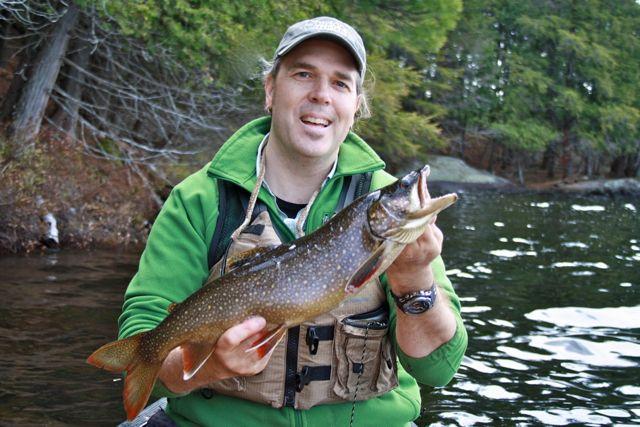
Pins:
x,y
268,92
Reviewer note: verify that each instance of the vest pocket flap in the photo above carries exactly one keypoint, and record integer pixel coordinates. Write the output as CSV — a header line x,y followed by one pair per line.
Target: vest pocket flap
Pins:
x,y
375,320
361,351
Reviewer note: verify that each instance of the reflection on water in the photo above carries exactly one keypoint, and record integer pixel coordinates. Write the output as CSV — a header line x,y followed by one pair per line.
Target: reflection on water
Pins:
x,y
550,288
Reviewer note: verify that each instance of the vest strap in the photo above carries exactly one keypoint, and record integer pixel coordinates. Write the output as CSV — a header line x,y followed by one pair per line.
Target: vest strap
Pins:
x,y
312,373
315,334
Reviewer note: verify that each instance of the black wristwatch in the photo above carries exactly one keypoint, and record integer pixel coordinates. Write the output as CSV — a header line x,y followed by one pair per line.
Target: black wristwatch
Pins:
x,y
416,302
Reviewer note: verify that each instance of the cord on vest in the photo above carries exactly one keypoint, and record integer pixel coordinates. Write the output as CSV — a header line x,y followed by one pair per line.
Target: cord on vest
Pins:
x,y
355,393
252,199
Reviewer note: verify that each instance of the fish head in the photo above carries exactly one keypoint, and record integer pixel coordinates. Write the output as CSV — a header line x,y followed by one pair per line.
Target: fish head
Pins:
x,y
403,210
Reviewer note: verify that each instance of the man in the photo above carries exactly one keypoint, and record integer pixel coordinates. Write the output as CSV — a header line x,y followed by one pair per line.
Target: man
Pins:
x,y
298,161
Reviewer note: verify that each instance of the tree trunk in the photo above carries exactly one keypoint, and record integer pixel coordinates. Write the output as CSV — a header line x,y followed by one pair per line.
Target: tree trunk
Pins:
x,y
520,171
565,158
549,160
617,166
67,116
5,45
17,83
633,162
589,165
33,101
635,167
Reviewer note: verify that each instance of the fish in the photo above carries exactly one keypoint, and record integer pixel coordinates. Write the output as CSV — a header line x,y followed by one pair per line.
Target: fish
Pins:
x,y
287,285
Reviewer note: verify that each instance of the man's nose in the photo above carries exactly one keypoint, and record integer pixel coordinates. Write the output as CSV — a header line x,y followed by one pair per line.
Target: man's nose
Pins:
x,y
320,92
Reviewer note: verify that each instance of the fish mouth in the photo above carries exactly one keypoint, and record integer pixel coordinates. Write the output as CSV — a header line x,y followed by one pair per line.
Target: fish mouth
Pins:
x,y
416,222
423,193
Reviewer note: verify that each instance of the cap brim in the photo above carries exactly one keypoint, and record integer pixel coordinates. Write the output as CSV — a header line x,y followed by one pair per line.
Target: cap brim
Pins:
x,y
329,35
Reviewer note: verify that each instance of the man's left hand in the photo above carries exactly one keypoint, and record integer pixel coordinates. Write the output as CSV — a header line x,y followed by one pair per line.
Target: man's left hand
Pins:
x,y
411,271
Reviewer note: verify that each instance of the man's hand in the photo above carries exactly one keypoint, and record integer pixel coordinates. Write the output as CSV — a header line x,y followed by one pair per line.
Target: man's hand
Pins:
x,y
420,335
411,271
229,359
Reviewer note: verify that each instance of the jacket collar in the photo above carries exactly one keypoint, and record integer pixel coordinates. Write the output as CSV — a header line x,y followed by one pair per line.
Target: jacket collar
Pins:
x,y
236,159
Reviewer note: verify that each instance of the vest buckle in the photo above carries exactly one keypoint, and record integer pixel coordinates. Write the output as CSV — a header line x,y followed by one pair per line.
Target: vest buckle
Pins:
x,y
312,373
312,340
302,378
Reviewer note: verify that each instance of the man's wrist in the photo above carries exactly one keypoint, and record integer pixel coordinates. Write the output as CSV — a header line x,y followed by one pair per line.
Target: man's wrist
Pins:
x,y
411,281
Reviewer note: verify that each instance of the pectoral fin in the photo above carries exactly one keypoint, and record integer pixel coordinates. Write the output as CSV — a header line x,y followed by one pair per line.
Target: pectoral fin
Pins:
x,y
194,355
366,271
268,340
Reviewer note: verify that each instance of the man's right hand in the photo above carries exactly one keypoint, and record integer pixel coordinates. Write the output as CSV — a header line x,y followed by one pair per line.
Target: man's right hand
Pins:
x,y
229,359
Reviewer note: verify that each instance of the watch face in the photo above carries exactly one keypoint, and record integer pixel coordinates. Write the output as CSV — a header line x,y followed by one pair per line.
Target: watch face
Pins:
x,y
417,305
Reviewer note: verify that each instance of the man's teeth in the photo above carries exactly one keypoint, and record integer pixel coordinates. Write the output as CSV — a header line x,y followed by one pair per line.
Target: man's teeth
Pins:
x,y
316,121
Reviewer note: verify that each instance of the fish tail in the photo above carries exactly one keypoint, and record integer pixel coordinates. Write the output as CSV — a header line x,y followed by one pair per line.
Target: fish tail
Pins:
x,y
141,376
124,355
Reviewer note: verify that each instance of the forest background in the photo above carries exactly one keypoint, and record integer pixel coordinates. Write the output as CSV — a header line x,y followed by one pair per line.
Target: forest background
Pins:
x,y
105,105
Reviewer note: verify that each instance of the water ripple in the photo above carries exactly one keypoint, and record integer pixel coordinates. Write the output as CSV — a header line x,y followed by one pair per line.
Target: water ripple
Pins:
x,y
592,208
614,317
563,417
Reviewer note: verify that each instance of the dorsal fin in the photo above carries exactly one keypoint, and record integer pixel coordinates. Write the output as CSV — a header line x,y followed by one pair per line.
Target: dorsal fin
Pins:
x,y
236,260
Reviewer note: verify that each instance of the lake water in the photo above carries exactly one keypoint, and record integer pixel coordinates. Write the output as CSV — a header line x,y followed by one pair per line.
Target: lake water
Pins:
x,y
550,287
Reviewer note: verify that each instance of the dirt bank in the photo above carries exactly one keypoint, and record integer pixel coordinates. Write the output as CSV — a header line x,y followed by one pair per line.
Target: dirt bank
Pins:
x,y
95,202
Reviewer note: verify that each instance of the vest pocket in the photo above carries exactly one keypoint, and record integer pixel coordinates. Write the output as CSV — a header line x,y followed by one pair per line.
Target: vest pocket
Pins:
x,y
364,356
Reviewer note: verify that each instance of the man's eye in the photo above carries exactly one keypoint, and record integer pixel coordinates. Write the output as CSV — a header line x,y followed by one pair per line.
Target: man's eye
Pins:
x,y
304,74
342,84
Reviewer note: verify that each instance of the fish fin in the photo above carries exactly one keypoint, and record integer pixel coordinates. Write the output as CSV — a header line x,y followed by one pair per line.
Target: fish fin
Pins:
x,y
237,260
138,383
194,355
116,356
268,340
366,271
123,355
172,307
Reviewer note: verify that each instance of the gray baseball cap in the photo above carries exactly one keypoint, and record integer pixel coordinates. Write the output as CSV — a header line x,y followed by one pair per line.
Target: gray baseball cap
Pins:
x,y
325,26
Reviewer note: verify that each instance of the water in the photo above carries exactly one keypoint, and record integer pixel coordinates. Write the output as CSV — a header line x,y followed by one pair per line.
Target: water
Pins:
x,y
551,295
55,310
551,299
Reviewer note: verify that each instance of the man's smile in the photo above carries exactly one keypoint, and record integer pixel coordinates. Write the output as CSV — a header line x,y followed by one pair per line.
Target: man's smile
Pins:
x,y
315,120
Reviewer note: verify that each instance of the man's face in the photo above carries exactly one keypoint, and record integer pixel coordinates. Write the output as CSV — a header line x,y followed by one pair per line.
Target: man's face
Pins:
x,y
313,99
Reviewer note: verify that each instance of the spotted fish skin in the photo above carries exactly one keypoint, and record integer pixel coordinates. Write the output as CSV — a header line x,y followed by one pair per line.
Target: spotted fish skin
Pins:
x,y
288,285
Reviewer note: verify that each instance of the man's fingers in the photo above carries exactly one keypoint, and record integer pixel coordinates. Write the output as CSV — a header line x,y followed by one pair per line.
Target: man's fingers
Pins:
x,y
235,335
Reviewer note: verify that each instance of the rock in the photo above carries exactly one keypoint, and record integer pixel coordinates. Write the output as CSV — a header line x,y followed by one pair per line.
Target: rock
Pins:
x,y
603,186
453,174
444,168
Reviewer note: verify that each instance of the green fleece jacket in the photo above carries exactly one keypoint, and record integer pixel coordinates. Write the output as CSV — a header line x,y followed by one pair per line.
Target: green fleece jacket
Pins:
x,y
174,264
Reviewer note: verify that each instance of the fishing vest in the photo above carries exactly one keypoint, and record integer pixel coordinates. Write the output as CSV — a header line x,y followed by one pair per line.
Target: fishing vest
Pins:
x,y
344,355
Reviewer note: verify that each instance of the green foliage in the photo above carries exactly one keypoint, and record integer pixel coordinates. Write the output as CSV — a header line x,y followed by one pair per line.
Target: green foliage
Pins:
x,y
527,135
226,40
398,136
527,72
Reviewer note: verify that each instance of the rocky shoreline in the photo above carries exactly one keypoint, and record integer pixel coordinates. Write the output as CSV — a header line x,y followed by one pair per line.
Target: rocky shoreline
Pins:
x,y
102,205
452,174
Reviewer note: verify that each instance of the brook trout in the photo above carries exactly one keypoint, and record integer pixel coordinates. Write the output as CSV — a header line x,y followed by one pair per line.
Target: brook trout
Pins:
x,y
287,285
